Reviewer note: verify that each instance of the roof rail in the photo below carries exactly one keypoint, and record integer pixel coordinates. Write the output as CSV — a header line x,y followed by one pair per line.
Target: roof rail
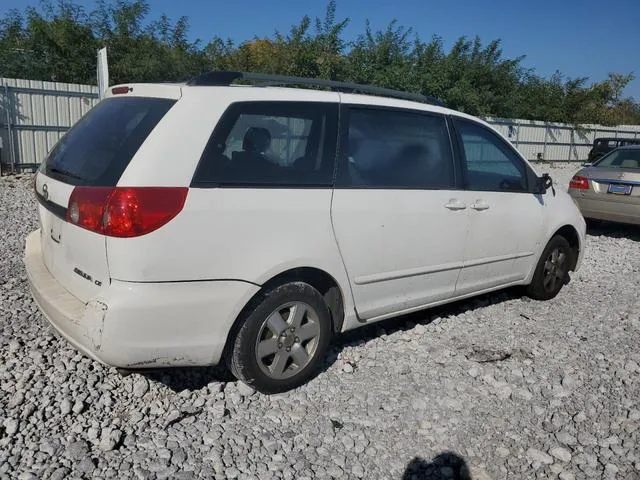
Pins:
x,y
224,78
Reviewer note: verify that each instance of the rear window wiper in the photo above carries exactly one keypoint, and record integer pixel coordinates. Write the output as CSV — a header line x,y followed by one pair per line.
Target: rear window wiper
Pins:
x,y
66,173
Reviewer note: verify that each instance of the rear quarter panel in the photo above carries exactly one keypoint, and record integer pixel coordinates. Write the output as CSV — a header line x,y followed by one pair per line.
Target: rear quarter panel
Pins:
x,y
247,234
236,234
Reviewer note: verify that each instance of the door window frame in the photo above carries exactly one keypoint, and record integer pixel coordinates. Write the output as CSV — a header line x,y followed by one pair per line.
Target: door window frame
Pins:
x,y
504,146
343,145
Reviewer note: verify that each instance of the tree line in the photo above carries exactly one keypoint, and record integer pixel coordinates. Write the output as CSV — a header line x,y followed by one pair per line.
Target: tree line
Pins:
x,y
58,42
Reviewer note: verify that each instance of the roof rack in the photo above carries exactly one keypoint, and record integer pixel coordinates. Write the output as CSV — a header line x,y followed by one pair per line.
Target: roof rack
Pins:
x,y
224,78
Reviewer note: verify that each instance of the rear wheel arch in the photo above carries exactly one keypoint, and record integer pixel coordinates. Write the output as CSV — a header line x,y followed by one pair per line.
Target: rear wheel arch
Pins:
x,y
325,283
321,281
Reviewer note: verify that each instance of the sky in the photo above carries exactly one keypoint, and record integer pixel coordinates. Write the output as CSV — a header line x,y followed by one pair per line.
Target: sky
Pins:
x,y
580,38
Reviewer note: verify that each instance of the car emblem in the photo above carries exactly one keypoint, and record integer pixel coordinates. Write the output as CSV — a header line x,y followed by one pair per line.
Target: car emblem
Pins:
x,y
45,191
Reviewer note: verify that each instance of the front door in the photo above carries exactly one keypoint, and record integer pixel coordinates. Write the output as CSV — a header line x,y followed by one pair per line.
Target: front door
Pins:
x,y
505,217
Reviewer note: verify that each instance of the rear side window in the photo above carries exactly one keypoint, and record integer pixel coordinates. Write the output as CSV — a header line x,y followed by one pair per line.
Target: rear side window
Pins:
x,y
396,149
271,144
98,148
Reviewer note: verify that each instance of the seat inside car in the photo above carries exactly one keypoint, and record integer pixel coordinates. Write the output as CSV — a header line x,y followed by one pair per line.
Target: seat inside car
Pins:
x,y
255,143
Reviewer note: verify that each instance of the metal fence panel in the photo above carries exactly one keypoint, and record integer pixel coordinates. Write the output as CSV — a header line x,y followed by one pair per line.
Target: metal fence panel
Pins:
x,y
558,142
35,114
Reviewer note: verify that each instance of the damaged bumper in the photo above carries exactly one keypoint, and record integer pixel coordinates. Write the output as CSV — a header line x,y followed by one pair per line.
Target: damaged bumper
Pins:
x,y
140,325
79,323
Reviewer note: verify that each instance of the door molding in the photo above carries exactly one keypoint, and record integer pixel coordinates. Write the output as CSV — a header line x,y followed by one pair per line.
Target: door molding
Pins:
x,y
409,272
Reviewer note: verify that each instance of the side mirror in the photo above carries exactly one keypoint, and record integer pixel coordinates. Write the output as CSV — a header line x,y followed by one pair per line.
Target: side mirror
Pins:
x,y
544,183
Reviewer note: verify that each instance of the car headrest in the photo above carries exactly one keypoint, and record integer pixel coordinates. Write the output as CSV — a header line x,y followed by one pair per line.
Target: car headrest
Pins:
x,y
256,140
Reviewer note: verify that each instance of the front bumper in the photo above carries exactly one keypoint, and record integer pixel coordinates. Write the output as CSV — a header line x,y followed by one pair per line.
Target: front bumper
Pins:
x,y
141,325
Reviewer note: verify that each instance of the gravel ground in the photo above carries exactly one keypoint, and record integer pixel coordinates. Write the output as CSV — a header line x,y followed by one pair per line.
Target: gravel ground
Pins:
x,y
495,387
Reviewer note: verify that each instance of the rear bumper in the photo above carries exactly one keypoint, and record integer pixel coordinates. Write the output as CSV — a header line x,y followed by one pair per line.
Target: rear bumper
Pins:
x,y
613,211
141,325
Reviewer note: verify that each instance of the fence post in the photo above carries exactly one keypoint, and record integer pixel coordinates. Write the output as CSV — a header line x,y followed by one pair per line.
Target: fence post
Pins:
x,y
544,147
8,108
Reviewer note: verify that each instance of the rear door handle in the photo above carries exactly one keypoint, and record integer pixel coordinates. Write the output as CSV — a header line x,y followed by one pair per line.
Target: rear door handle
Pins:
x,y
480,205
455,205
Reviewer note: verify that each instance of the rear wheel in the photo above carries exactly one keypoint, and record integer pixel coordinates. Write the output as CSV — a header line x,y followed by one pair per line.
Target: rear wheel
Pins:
x,y
282,340
552,271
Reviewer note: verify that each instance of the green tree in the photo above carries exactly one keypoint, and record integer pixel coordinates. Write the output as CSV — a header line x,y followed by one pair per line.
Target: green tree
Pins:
x,y
56,44
58,41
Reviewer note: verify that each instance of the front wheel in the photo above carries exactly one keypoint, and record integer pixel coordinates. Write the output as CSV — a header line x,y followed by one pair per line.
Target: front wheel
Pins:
x,y
282,340
552,271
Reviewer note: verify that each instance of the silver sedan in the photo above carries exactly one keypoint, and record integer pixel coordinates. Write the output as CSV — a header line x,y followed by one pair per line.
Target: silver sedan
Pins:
x,y
609,189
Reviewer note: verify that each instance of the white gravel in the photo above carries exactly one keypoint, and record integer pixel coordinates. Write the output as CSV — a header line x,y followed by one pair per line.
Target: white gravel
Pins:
x,y
495,387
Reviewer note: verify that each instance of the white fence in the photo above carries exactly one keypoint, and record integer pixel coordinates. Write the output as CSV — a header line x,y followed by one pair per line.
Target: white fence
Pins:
x,y
35,114
557,142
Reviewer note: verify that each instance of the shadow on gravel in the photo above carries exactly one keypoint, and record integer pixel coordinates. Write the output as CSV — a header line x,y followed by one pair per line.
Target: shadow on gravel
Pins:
x,y
613,230
446,465
367,333
188,378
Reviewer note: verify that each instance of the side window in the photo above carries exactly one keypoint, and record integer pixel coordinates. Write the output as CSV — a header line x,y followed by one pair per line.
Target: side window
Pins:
x,y
271,143
396,149
491,164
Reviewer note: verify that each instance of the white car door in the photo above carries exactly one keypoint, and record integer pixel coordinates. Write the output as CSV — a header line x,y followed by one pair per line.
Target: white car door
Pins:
x,y
505,217
398,220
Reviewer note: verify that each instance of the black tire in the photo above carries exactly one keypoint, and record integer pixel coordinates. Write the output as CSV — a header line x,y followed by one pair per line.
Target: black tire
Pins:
x,y
242,356
551,275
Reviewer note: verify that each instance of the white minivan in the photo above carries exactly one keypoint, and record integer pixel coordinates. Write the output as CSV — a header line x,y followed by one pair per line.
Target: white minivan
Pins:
x,y
210,222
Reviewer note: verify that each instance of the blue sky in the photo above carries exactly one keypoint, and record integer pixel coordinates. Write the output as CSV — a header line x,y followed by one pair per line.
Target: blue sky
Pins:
x,y
580,38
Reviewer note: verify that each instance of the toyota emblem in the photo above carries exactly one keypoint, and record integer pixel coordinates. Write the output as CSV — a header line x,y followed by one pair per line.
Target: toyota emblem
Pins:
x,y
45,191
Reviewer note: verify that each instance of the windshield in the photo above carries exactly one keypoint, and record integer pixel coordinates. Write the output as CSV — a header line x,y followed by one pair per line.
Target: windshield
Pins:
x,y
98,148
621,158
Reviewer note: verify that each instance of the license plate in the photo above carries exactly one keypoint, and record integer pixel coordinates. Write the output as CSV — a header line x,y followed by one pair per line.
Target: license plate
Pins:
x,y
620,189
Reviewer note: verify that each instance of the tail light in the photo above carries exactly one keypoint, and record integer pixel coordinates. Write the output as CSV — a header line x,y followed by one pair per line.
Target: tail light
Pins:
x,y
124,211
121,90
579,183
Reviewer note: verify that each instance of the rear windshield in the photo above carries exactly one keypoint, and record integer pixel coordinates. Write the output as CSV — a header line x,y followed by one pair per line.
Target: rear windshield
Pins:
x,y
98,148
621,158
